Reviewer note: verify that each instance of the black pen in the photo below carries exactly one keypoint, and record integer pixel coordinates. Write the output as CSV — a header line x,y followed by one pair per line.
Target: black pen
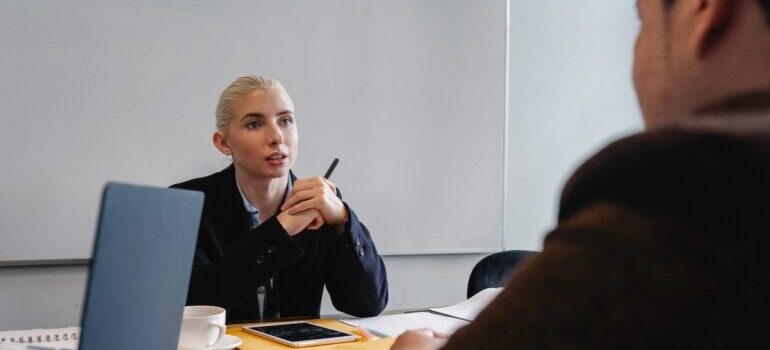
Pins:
x,y
331,168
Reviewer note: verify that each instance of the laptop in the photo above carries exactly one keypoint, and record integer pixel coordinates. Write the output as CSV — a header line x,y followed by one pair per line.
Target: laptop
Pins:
x,y
140,268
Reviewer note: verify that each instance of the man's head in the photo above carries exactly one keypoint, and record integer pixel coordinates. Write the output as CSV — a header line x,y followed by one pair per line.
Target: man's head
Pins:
x,y
691,54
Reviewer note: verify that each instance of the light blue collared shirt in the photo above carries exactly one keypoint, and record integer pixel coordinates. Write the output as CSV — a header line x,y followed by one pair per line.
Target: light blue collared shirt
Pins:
x,y
253,212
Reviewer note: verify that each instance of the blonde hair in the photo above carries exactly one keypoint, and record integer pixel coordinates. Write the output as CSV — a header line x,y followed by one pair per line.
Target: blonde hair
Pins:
x,y
238,88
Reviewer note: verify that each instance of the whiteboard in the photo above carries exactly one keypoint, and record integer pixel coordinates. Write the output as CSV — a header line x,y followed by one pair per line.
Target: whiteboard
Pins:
x,y
408,94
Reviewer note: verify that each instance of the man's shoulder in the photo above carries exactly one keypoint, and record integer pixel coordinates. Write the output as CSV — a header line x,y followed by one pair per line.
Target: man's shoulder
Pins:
x,y
667,152
667,163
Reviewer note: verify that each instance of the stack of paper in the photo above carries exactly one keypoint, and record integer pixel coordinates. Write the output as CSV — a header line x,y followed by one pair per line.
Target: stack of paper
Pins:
x,y
393,325
444,320
469,309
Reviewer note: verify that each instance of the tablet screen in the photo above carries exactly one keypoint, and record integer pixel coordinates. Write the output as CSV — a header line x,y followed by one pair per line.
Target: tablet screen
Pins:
x,y
296,332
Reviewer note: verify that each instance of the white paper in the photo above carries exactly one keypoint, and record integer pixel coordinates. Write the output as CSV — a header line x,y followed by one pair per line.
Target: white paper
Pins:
x,y
469,309
394,325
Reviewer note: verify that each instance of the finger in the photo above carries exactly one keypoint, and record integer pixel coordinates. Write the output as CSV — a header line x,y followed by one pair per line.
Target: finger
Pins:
x,y
299,184
317,222
296,198
330,192
440,335
331,186
303,184
305,205
317,179
425,331
315,225
317,186
332,199
415,334
365,335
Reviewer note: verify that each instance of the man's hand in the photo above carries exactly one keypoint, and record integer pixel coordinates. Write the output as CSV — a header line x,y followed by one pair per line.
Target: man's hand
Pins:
x,y
295,223
319,194
419,339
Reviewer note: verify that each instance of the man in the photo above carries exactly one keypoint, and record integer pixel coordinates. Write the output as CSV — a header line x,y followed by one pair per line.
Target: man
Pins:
x,y
663,237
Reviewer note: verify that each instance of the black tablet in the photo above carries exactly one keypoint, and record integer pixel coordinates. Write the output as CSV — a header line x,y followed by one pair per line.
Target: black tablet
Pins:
x,y
299,334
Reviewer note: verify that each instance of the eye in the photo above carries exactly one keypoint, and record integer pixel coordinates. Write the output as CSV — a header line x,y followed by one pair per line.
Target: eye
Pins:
x,y
286,121
253,125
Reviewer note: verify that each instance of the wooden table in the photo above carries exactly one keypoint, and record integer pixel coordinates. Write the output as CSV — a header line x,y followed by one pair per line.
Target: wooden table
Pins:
x,y
253,342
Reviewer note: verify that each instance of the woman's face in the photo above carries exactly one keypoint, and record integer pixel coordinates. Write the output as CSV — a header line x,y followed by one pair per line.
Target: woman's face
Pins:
x,y
262,135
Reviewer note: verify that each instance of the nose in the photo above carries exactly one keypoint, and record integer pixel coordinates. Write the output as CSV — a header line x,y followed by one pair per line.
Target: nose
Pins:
x,y
275,135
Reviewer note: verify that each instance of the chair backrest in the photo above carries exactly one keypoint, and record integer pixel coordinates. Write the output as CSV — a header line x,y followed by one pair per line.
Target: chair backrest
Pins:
x,y
495,269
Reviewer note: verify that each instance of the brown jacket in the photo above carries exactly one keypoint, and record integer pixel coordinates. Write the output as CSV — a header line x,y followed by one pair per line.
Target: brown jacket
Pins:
x,y
663,242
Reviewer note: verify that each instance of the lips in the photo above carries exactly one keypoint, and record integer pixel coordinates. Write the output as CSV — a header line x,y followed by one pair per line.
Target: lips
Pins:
x,y
277,158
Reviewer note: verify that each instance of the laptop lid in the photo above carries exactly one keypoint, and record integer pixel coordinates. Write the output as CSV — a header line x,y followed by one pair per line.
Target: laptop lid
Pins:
x,y
140,268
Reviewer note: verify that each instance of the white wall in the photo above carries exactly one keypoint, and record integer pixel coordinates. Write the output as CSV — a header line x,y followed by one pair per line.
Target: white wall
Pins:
x,y
570,93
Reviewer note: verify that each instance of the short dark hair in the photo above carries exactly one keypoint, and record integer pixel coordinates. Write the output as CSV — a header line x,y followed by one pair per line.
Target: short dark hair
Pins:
x,y
765,4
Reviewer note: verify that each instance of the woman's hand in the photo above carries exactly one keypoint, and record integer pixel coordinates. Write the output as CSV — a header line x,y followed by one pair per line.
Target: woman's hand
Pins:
x,y
419,339
319,194
295,223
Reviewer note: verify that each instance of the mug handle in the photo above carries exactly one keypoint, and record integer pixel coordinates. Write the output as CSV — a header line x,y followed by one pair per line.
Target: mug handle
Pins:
x,y
222,332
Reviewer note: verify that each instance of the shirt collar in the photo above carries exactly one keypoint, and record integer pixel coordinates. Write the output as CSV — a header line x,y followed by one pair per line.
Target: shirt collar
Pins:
x,y
250,208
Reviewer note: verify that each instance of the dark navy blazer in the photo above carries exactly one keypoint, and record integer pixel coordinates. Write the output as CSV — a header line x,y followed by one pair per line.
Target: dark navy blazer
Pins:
x,y
232,260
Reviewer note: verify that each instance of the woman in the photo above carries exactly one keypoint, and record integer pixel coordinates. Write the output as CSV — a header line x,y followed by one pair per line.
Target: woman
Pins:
x,y
268,241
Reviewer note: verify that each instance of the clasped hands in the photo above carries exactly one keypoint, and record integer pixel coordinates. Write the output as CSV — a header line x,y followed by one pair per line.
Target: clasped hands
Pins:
x,y
311,203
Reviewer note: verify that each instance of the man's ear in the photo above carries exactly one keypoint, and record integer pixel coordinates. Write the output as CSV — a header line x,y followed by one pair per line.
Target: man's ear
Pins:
x,y
712,18
220,142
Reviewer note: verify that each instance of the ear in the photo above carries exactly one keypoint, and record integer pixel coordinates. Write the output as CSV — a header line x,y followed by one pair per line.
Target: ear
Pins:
x,y
712,19
220,142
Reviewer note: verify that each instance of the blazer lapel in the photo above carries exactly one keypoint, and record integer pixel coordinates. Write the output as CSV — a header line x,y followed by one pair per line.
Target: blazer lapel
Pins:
x,y
227,205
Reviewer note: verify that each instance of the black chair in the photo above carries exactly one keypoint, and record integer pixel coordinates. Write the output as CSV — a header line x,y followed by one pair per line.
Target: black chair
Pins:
x,y
495,269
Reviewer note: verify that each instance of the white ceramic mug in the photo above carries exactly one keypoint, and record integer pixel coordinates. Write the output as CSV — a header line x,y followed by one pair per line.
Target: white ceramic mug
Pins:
x,y
202,326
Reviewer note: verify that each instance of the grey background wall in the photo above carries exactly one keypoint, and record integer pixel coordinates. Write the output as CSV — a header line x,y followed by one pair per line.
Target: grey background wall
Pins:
x,y
450,148
570,94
